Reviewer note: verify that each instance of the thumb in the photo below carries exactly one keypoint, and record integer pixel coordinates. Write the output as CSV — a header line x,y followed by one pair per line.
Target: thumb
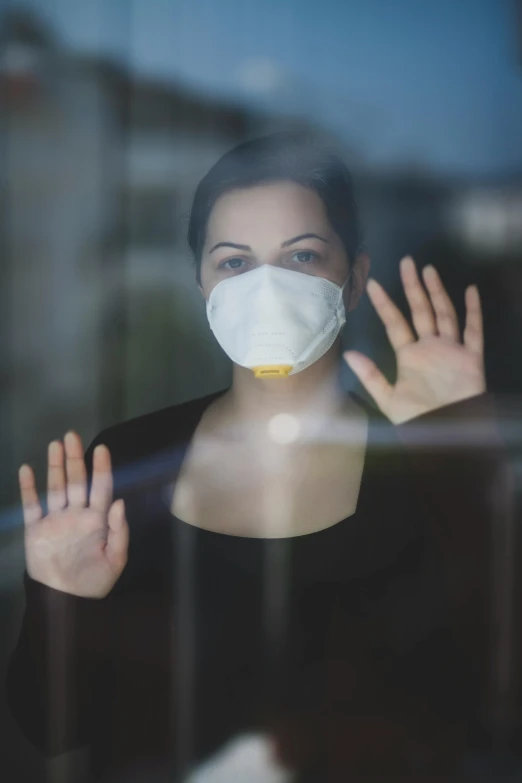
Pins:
x,y
118,535
370,377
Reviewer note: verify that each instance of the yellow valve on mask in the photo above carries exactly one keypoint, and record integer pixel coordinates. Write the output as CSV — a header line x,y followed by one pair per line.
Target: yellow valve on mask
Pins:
x,y
272,370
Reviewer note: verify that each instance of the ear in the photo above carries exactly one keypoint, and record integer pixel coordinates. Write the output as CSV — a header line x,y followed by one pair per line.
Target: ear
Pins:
x,y
357,283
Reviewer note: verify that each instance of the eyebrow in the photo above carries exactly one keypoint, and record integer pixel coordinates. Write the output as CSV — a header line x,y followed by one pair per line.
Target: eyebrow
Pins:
x,y
285,244
230,244
303,236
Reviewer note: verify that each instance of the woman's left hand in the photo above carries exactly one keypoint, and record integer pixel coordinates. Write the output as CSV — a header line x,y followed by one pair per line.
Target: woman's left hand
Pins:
x,y
434,367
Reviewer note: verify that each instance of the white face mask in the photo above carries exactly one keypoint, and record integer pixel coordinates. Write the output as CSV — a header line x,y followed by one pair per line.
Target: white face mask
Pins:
x,y
276,321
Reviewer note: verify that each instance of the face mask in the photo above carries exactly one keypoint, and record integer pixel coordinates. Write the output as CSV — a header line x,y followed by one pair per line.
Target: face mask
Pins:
x,y
276,321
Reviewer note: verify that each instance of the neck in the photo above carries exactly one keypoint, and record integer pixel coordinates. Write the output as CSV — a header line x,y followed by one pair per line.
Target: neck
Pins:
x,y
315,391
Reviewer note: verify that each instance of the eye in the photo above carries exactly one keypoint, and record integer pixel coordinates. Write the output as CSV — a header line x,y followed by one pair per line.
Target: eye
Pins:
x,y
305,257
232,263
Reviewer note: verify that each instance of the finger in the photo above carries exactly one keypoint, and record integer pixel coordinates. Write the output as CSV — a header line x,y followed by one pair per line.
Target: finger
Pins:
x,y
118,536
397,328
56,493
75,471
31,506
420,305
447,322
101,488
473,331
370,377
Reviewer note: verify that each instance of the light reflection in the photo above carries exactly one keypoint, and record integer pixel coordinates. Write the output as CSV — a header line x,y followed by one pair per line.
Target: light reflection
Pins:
x,y
284,428
248,758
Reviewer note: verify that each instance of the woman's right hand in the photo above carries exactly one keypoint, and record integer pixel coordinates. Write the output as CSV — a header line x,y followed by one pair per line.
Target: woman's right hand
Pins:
x,y
81,546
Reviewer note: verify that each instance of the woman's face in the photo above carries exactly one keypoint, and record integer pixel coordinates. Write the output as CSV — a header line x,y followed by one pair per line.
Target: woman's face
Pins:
x,y
281,223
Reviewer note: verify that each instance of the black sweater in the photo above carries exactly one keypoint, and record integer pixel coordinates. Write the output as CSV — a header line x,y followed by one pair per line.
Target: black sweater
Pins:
x,y
365,648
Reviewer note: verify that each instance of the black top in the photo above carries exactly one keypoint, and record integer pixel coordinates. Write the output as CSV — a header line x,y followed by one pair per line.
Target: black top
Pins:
x,y
363,648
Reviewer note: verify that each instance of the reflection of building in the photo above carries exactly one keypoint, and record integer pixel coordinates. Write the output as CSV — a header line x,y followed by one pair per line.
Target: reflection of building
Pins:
x,y
102,319
172,140
56,129
99,174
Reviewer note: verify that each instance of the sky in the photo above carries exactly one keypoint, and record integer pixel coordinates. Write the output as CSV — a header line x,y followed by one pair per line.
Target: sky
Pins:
x,y
436,83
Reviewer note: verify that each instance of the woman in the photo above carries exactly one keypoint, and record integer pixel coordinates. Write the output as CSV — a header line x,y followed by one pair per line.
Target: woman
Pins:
x,y
279,558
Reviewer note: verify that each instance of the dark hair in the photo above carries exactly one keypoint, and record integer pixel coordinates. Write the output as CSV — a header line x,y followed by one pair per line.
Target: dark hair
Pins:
x,y
295,156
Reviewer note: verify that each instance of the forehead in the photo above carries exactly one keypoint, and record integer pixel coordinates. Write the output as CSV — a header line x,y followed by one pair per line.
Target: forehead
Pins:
x,y
284,208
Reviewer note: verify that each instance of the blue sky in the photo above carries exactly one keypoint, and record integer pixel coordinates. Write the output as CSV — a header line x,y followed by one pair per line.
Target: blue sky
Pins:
x,y
436,82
